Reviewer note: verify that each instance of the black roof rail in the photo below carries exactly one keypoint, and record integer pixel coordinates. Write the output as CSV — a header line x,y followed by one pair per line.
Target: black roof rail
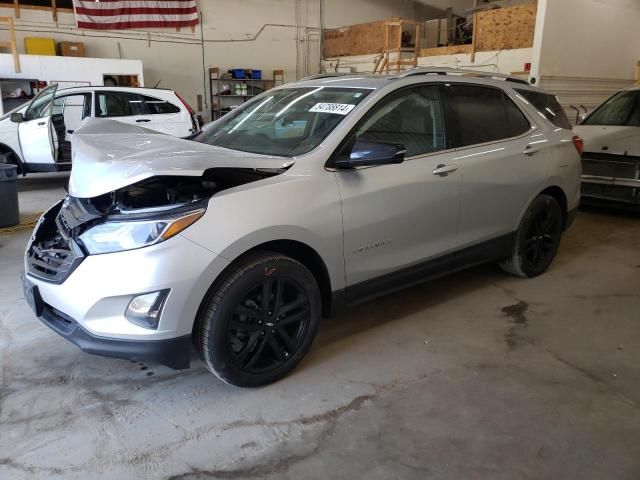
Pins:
x,y
460,71
324,75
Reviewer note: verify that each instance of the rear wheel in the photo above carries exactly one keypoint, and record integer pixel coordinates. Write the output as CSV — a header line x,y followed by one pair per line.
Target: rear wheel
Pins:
x,y
259,321
537,239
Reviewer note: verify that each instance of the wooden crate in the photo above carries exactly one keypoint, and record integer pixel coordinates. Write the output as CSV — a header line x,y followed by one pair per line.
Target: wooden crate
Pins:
x,y
498,29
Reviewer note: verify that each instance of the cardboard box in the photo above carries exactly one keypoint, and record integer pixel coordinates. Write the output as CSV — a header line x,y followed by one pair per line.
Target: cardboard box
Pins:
x,y
71,49
40,46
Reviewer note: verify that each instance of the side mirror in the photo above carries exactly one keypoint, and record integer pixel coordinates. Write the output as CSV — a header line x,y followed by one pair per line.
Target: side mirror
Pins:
x,y
367,153
17,117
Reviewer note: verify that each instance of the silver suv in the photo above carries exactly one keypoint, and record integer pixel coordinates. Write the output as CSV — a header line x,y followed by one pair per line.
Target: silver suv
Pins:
x,y
310,197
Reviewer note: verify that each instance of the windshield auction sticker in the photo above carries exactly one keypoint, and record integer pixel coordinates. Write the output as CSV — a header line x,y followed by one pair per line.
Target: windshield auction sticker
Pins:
x,y
338,108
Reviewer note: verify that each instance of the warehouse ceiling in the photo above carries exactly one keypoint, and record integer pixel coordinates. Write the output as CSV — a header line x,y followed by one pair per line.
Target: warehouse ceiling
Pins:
x,y
462,6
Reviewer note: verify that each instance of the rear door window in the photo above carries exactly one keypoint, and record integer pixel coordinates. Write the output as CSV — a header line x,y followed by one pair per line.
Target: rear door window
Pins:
x,y
119,104
156,106
480,114
548,106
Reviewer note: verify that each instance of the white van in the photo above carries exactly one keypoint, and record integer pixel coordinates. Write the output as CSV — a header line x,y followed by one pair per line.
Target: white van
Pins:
x,y
36,136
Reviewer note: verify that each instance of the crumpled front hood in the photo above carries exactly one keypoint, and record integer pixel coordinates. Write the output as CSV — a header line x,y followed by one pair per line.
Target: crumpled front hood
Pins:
x,y
108,155
610,139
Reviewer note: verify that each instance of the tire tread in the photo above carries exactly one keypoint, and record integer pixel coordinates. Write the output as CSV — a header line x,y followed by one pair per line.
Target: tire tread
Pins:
x,y
208,318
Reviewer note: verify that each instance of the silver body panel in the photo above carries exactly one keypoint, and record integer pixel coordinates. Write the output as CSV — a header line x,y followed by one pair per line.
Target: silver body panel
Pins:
x,y
362,223
108,155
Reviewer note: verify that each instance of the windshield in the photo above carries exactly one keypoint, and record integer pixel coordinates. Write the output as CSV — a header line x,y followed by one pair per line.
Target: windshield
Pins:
x,y
284,122
623,109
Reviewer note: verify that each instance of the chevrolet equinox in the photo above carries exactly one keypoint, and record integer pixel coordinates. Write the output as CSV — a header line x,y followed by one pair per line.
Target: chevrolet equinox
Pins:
x,y
312,196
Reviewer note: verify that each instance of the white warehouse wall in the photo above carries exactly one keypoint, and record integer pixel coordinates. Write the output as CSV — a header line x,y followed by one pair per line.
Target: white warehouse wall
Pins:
x,y
340,13
584,50
249,33
503,61
68,71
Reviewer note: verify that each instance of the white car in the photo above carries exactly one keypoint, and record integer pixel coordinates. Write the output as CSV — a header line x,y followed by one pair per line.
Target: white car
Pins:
x,y
36,136
611,161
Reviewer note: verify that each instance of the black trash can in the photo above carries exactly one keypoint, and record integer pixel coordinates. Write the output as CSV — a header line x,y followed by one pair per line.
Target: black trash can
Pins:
x,y
9,211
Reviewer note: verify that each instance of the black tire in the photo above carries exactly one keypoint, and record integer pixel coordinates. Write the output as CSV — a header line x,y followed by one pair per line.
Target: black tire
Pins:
x,y
247,344
10,157
537,239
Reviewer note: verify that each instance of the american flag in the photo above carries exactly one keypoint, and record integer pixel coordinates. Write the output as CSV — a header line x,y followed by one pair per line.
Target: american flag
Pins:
x,y
121,14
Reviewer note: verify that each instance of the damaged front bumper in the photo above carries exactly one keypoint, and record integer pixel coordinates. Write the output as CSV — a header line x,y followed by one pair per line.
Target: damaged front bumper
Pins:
x,y
87,304
609,177
172,352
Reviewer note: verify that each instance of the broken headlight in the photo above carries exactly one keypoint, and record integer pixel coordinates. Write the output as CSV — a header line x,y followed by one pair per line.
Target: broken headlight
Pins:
x,y
116,236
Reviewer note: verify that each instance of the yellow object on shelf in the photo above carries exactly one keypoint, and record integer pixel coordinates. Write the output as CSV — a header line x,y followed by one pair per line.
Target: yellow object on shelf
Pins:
x,y
40,46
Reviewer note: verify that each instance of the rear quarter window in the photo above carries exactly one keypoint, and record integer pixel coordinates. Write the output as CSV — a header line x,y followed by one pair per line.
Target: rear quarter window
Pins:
x,y
483,114
548,106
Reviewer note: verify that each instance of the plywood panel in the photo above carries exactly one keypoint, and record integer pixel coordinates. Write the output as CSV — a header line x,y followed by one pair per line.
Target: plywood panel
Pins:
x,y
336,42
449,50
506,28
360,39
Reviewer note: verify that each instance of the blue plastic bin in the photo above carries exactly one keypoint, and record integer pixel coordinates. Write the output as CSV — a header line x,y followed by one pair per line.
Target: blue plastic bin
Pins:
x,y
237,72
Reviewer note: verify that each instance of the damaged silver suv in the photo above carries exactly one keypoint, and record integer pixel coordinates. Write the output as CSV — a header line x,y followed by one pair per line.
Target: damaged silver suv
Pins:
x,y
310,197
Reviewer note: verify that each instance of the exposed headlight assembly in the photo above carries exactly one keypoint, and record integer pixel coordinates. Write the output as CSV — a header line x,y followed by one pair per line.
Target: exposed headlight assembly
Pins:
x,y
116,236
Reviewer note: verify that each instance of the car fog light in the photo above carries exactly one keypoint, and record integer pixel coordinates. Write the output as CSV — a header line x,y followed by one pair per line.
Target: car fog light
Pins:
x,y
144,310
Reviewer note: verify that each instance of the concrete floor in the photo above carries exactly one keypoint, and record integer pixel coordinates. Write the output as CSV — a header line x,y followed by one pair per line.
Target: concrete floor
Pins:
x,y
478,375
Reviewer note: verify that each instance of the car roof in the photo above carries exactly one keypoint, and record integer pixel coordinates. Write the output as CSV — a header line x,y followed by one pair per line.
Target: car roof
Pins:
x,y
101,87
376,81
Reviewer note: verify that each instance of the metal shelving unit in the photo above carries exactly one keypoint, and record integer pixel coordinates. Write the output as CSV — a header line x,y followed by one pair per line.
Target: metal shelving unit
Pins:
x,y
222,102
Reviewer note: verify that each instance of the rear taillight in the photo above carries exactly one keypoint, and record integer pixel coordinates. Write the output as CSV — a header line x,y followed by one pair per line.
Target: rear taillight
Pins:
x,y
186,105
579,144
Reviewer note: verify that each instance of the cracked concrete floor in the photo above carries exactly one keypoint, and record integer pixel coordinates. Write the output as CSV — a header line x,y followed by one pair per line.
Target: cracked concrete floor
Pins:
x,y
477,375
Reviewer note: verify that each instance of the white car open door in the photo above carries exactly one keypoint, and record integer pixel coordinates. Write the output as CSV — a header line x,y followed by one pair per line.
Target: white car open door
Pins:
x,y
37,136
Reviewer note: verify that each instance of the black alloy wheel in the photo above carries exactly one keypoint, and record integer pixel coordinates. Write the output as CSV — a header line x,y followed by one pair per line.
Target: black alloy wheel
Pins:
x,y
258,320
542,237
268,325
537,239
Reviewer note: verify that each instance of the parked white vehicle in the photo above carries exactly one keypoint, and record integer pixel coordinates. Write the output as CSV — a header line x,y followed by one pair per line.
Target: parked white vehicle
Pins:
x,y
611,161
36,136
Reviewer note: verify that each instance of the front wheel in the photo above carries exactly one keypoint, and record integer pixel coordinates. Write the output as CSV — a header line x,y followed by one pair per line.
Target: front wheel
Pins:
x,y
537,239
260,321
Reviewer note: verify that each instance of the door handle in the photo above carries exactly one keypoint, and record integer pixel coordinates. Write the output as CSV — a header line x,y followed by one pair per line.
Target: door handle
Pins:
x,y
41,123
140,120
70,131
444,170
529,150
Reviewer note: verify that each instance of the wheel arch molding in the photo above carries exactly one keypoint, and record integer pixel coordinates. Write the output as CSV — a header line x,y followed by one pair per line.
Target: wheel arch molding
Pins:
x,y
297,250
7,150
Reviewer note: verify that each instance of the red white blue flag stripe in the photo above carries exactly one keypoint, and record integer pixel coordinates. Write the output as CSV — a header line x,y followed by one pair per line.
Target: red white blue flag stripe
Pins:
x,y
122,14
